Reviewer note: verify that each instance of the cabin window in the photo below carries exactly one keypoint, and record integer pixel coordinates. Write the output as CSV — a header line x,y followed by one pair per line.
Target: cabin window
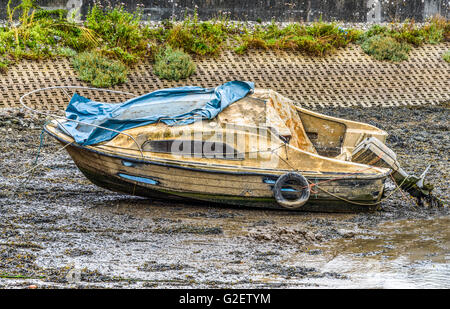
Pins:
x,y
205,149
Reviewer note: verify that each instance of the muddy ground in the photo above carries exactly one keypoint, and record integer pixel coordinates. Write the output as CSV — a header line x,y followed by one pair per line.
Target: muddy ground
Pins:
x,y
59,230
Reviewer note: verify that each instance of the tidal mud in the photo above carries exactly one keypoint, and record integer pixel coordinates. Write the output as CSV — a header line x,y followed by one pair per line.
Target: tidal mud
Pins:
x,y
59,230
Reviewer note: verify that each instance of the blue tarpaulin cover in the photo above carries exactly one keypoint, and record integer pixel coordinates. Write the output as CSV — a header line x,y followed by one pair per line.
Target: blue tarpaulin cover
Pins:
x,y
180,106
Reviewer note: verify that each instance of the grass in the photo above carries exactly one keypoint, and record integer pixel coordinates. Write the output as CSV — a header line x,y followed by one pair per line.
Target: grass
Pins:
x,y
113,33
14,276
4,65
173,64
394,42
383,47
121,34
38,35
317,39
66,52
99,70
195,37
446,56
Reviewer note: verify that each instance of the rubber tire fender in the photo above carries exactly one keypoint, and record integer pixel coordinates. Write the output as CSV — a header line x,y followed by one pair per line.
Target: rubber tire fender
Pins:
x,y
299,179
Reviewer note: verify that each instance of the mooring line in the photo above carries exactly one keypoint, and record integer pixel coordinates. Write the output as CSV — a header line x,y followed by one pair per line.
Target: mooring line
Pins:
x,y
40,164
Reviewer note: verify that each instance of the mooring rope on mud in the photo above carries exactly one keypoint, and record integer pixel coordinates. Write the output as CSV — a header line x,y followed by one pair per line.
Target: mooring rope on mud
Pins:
x,y
41,143
40,164
35,165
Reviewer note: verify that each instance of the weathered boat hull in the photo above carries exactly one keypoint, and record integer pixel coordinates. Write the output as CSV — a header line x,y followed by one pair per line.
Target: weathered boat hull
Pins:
x,y
246,189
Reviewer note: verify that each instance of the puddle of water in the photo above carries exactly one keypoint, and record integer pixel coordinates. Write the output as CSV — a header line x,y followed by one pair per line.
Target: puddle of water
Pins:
x,y
400,254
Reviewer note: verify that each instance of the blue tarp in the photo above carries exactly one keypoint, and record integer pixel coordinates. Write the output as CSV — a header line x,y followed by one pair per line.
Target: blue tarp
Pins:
x,y
180,106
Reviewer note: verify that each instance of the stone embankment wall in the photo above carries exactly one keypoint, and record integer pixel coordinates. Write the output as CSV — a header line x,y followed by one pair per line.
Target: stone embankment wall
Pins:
x,y
265,10
349,77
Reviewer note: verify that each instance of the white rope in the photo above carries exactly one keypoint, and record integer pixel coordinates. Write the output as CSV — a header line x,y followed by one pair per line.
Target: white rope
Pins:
x,y
40,164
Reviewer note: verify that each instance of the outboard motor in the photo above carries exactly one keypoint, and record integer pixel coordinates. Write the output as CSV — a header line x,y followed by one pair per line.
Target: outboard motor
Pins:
x,y
372,151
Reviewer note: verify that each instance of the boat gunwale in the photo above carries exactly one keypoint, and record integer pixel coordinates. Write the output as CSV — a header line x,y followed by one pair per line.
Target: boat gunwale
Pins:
x,y
310,174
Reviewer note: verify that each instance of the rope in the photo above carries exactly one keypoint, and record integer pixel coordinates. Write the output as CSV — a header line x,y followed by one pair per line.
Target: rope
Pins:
x,y
40,164
363,204
35,165
41,143
403,194
311,185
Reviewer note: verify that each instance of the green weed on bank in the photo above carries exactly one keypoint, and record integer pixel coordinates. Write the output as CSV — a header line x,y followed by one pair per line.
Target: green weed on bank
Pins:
x,y
173,64
194,36
122,36
446,56
33,33
383,47
317,39
99,70
395,41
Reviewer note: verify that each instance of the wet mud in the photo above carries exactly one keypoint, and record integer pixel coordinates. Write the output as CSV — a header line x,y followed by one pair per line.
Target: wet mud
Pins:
x,y
57,230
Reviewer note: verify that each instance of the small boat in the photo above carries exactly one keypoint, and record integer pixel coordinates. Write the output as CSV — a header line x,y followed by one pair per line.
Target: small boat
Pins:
x,y
257,149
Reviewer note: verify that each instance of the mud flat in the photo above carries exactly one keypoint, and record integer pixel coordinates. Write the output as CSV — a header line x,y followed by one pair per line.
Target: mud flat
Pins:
x,y
59,230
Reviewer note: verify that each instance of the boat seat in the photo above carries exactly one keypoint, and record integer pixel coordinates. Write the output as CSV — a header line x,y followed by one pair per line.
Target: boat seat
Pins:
x,y
289,116
273,111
